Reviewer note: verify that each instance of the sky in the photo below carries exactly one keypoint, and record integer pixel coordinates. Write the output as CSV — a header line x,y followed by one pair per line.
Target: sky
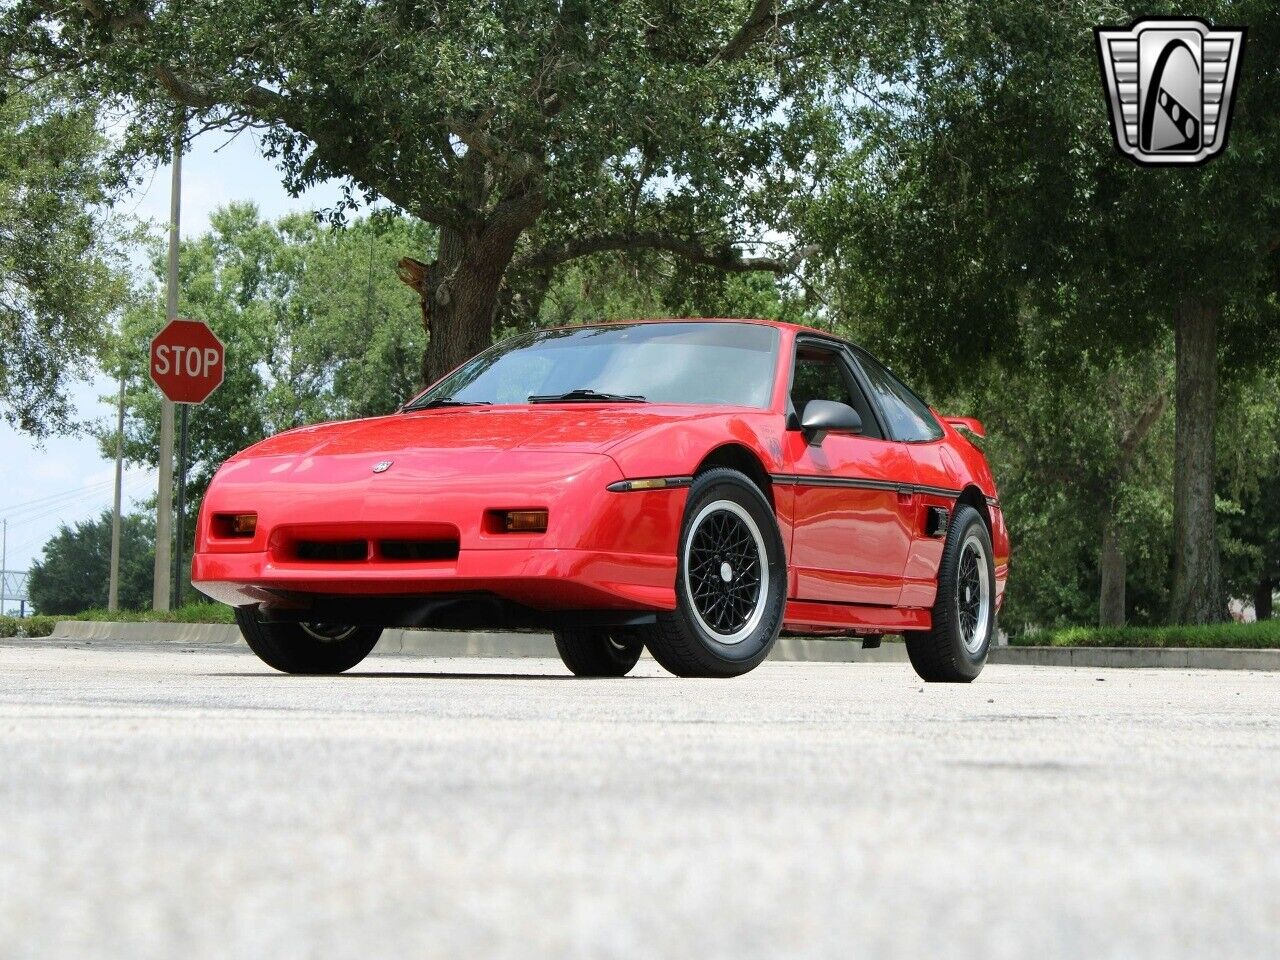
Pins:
x,y
66,479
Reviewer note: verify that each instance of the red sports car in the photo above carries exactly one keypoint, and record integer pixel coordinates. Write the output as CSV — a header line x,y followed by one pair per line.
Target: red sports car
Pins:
x,y
689,486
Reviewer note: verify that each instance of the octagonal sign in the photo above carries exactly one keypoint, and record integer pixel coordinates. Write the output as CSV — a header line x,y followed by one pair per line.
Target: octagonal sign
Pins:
x,y
187,361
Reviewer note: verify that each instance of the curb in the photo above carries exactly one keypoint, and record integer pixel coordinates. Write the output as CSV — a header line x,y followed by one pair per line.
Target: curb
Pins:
x,y
441,643
1180,658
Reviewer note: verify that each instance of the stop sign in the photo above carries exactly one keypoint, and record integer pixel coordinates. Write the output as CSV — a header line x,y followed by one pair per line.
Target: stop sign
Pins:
x,y
186,361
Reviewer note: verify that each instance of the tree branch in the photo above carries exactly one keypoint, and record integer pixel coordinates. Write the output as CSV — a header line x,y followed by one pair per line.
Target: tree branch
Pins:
x,y
762,20
1137,432
519,164
269,106
722,258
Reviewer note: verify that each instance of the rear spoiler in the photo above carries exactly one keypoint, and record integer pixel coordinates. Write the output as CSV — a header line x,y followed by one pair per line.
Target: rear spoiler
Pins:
x,y
970,424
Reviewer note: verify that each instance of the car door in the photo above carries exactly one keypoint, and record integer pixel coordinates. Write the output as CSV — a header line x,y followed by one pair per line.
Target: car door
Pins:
x,y
852,508
910,420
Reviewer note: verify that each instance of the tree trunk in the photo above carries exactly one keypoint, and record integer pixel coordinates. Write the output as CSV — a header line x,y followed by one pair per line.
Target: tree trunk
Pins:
x,y
1197,591
1262,592
458,304
1111,565
460,289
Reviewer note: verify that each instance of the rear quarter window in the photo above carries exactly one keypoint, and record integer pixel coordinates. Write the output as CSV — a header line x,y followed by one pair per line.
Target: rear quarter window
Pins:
x,y
907,416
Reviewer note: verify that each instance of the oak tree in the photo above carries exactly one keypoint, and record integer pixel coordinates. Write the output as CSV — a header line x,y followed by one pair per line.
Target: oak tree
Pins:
x,y
528,132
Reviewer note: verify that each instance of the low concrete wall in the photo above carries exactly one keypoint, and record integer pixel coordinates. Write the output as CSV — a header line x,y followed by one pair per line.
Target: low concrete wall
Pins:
x,y
443,643
1185,658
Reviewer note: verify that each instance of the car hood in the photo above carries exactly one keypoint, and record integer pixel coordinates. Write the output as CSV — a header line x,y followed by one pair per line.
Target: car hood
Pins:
x,y
565,428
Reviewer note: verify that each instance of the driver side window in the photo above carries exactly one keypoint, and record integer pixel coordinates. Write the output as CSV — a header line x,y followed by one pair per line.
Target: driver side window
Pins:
x,y
821,374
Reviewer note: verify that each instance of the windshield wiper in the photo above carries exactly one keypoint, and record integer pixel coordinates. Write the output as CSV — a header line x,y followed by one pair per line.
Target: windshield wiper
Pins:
x,y
445,402
586,395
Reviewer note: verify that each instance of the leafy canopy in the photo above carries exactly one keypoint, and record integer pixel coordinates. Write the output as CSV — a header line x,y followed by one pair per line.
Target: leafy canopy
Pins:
x,y
315,325
73,572
60,274
597,124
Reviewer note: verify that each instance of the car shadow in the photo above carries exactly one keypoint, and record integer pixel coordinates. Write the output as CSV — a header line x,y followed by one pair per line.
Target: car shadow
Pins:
x,y
415,675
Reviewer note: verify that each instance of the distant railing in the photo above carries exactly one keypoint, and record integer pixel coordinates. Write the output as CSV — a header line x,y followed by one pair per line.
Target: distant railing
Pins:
x,y
13,591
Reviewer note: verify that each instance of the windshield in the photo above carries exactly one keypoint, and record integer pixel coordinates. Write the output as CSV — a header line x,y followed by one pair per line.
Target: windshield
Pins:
x,y
717,363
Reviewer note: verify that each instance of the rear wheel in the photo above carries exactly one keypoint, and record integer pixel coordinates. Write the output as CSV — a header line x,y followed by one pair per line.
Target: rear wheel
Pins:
x,y
598,652
964,612
306,647
731,582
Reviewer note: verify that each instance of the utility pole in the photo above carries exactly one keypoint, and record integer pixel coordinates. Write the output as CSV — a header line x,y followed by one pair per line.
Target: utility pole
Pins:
x,y
113,591
164,500
182,503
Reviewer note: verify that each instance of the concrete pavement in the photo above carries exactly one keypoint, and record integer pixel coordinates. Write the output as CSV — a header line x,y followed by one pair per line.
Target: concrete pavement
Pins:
x,y
161,803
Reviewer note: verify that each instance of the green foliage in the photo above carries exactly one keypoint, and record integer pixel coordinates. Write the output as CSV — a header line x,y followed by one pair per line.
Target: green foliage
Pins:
x,y
1073,446
199,612
1249,481
1264,635
530,132
989,185
315,324
59,264
36,626
73,571
42,625
611,288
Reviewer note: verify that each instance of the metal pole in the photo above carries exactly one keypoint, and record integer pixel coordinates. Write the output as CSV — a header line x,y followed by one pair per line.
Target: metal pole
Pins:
x,y
164,499
182,503
113,590
4,560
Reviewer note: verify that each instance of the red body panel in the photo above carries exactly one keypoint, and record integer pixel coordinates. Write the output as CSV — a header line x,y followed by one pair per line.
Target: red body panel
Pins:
x,y
860,558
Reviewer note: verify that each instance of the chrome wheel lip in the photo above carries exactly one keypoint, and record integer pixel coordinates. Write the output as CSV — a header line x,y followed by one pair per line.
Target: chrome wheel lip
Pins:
x,y
327,632
762,597
973,614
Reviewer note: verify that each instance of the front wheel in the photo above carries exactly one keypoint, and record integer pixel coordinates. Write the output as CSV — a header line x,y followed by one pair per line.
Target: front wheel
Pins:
x,y
306,647
731,582
598,653
964,612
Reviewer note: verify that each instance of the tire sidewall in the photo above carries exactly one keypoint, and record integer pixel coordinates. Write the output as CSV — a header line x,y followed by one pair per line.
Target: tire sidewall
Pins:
x,y
623,649
968,523
724,484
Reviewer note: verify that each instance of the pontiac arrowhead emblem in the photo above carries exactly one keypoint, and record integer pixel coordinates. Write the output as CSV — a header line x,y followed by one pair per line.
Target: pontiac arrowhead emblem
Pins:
x,y
1170,87
382,466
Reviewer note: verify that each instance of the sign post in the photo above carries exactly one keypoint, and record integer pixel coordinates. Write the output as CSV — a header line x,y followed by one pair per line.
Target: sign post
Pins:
x,y
187,363
164,493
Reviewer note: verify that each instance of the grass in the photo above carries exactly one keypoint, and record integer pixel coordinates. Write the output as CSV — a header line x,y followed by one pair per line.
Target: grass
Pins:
x,y
1243,635
191,613
34,626
42,625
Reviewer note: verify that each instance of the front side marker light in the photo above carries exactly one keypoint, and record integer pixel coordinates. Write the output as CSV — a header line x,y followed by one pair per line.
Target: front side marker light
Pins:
x,y
650,483
235,524
525,521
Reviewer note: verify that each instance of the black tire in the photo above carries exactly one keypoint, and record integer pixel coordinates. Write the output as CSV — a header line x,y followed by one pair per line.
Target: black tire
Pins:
x,y
681,640
298,648
598,652
950,652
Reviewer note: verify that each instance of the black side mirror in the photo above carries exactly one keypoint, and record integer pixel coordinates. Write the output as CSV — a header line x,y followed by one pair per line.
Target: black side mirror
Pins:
x,y
821,417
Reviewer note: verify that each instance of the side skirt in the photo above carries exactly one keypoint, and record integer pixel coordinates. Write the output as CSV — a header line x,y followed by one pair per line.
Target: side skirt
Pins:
x,y
862,618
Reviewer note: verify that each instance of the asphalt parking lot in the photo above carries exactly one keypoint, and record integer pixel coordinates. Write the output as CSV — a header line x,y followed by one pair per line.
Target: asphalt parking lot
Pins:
x,y
173,802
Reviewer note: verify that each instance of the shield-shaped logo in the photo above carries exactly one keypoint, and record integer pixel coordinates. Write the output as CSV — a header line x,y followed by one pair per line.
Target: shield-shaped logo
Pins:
x,y
1170,86
382,466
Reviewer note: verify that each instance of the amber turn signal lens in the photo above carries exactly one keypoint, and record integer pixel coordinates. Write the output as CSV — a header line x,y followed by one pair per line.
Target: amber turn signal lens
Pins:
x,y
526,521
244,524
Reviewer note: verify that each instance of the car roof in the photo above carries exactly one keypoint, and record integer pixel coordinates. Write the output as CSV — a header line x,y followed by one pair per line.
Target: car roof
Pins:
x,y
795,328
